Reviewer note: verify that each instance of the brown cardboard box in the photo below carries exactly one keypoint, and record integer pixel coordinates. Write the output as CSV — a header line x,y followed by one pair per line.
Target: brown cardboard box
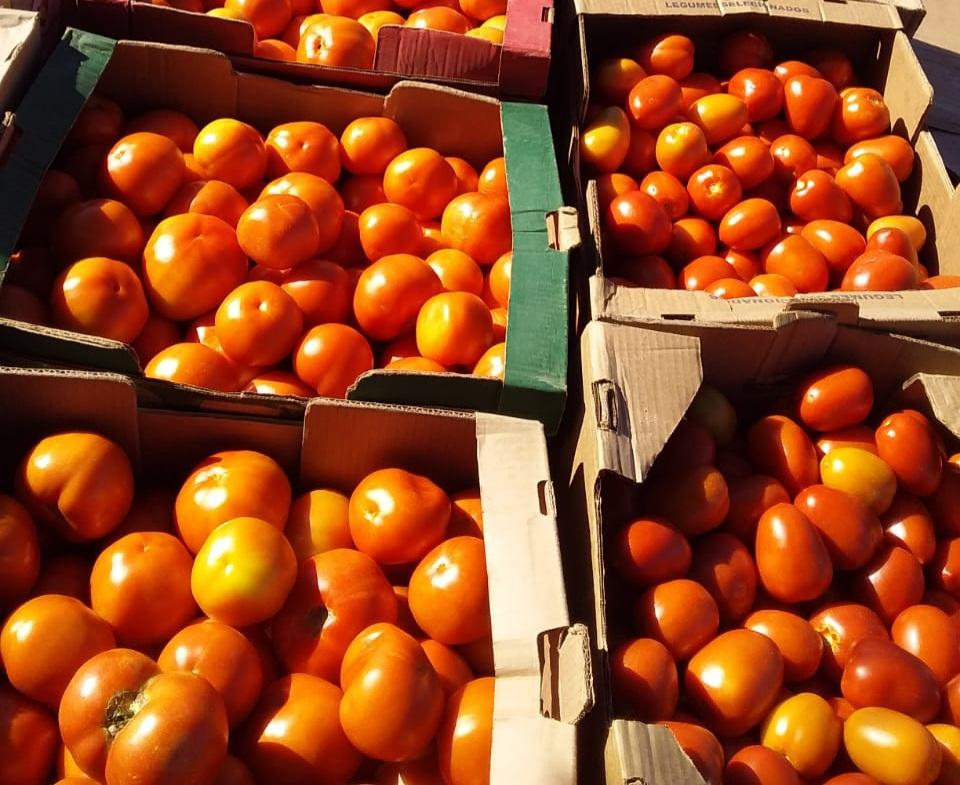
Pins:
x,y
637,385
543,686
870,32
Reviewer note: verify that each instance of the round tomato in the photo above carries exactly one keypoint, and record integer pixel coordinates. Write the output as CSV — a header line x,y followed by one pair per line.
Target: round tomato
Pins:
x,y
318,522
97,227
258,324
143,170
638,224
231,151
422,180
644,677
465,736
842,626
451,668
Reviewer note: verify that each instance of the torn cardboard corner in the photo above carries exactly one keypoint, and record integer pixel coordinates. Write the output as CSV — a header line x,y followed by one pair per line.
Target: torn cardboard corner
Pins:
x,y
533,740
941,394
20,44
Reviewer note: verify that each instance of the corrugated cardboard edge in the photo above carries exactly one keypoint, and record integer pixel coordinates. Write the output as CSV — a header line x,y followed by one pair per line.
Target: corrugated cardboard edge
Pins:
x,y
942,395
641,754
20,44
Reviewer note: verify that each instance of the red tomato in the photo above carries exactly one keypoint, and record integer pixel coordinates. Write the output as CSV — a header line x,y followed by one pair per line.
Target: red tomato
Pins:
x,y
680,614
725,568
880,271
750,497
891,582
667,54
842,625
759,765
850,530
644,678
749,158
798,642
703,271
780,448
751,224
760,90
880,673
894,240
872,185
654,101
895,150
908,443
452,668
908,523
19,552
125,722
668,191
745,49
929,634
835,398
649,272
800,263
944,503
651,550
714,190
695,501
734,681
816,196
337,595
858,436
701,746
793,156
809,104
638,224
861,114
792,561
840,244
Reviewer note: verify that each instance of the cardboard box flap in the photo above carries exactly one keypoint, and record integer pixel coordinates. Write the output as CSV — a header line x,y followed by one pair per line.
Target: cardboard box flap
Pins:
x,y
910,97
62,346
19,50
642,754
635,412
101,402
530,749
942,395
566,685
423,52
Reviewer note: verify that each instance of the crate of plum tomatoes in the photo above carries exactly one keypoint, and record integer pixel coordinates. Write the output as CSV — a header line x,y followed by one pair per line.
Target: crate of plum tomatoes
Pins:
x,y
239,233
364,595
735,165
773,523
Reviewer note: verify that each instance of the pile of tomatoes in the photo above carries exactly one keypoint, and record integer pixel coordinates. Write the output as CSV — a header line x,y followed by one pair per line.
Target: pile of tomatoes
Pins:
x,y
344,33
229,634
795,592
158,233
767,180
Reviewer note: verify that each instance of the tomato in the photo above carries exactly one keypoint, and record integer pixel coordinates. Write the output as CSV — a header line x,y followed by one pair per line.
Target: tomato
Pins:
x,y
793,156
390,293
648,272
840,244
750,224
701,746
143,170
940,282
680,614
448,592
792,561
459,273
668,191
331,357
880,271
195,364
321,290
861,474
681,149
781,449
99,122
318,522
465,736
28,740
721,116
872,185
337,41
78,483
279,231
948,737
451,668
829,156
759,765
227,485
860,436
644,678
169,123
651,550
895,241
641,156
140,584
614,77
760,90
809,104
368,144
614,184
654,101
850,530
668,54
690,239
231,151
800,263
454,329
224,657
908,523
880,673
208,197
745,49
895,150
303,147
892,747
835,397
907,442
928,633
750,497
913,227
861,114
772,285
124,721
97,227
806,731
439,18
695,501
703,271
392,700
606,139
258,324
638,224
294,736
696,86
749,158
725,568
711,409
730,289
799,643
816,196
842,626
714,190
891,582
479,225
337,595
422,180
734,680
19,552
324,202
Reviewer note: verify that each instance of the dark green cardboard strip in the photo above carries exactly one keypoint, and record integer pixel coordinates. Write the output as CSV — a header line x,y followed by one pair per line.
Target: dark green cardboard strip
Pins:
x,y
43,120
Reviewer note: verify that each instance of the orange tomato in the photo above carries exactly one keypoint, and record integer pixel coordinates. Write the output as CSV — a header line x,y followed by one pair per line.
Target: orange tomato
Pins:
x,y
322,199
330,357
701,746
861,114
680,614
303,146
208,197
750,497
231,151
695,501
730,289
750,224
861,473
805,729
338,42
493,178
279,231
929,634
451,668
19,552
654,101
644,678
799,643
681,149
258,324
872,185
666,189
908,443
465,736
697,85
614,77
759,765
749,159
387,229
390,293
479,225
668,54
454,328
467,177
835,398
268,17
895,150
760,90
439,18
28,739
97,227
362,191
369,144
421,180
772,285
448,592
786,538
457,271
721,116
143,170
99,122
793,156
908,523
275,49
321,290
714,190
492,363
691,238
392,700
190,264
318,522
194,364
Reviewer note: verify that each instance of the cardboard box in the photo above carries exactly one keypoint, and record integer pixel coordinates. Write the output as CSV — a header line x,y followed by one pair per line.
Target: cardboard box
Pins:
x,y
637,385
205,85
19,54
871,33
519,67
542,686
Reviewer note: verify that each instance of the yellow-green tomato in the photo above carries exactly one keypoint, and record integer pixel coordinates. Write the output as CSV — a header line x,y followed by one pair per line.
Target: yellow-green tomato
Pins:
x,y
806,730
605,141
949,738
891,747
712,410
861,474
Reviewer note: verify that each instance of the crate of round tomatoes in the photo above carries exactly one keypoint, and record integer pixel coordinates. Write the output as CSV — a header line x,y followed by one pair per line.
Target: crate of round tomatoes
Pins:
x,y
217,229
739,160
497,47
368,594
773,518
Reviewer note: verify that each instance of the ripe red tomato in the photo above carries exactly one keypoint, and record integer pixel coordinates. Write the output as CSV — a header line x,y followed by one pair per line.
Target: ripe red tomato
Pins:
x,y
908,443
835,398
780,448
750,497
850,530
792,561
734,681
703,271
908,523
668,191
751,224
695,501
929,634
725,568
465,737
338,594
944,503
651,550
680,614
799,262
880,271
861,114
872,185
840,244
714,190
816,196
760,90
891,582
799,643
644,677
809,104
638,224
842,625
654,101
793,156
749,159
